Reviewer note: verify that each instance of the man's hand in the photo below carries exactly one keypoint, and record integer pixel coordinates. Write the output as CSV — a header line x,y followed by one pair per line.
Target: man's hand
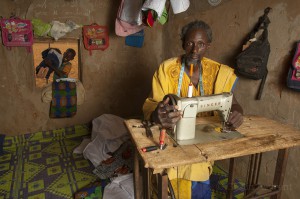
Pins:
x,y
236,117
48,62
165,114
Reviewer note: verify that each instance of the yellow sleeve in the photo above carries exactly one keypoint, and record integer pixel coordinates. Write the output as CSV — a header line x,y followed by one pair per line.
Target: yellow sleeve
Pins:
x,y
159,90
67,68
164,82
226,80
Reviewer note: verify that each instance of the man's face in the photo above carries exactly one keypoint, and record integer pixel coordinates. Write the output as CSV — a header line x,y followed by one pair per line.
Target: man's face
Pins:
x,y
195,46
68,56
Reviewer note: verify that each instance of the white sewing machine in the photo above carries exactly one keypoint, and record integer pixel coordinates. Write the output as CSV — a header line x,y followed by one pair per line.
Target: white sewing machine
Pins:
x,y
184,132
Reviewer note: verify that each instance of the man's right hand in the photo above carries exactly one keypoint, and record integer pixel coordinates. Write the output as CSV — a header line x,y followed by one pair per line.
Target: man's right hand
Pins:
x,y
165,114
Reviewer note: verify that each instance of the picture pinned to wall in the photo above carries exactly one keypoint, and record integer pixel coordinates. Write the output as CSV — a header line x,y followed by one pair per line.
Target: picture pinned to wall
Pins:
x,y
53,60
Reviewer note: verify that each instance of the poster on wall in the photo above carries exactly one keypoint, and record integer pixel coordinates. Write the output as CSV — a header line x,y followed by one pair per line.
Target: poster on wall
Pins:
x,y
53,60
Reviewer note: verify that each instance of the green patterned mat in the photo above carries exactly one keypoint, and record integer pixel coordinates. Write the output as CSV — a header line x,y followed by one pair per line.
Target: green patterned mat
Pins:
x,y
42,165
219,182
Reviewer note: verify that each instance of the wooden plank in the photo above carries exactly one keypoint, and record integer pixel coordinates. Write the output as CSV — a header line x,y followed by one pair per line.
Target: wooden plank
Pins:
x,y
254,125
261,135
247,146
160,159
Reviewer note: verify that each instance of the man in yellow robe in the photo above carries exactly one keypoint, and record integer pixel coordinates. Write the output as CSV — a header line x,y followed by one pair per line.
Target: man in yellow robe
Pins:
x,y
173,77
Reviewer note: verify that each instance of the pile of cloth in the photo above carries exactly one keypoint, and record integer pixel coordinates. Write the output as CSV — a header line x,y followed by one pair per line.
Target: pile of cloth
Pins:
x,y
111,152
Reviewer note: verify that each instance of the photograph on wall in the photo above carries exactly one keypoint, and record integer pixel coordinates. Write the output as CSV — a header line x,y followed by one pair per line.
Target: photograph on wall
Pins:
x,y
54,60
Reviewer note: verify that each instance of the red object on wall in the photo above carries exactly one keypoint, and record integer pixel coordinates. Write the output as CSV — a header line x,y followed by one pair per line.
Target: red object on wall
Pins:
x,y
95,37
17,32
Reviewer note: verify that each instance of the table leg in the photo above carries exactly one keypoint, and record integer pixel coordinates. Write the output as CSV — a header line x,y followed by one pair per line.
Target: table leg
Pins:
x,y
162,181
136,175
230,183
253,173
249,176
258,158
162,186
146,183
280,171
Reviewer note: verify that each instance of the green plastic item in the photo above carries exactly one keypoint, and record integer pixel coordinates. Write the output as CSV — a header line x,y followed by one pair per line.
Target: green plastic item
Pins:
x,y
164,17
40,28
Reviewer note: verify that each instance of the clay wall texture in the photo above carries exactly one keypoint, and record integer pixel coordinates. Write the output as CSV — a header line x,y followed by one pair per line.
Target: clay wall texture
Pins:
x,y
118,79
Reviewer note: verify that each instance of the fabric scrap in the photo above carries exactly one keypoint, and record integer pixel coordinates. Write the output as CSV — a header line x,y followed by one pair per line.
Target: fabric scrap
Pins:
x,y
126,22
81,147
108,134
179,6
164,17
64,99
120,163
121,187
135,40
150,18
156,5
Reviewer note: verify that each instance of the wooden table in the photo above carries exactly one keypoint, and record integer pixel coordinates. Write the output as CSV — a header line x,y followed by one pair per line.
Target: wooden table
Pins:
x,y
260,135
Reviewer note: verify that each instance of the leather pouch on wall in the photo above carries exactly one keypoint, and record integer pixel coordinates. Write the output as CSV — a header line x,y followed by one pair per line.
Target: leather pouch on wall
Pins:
x,y
252,61
293,79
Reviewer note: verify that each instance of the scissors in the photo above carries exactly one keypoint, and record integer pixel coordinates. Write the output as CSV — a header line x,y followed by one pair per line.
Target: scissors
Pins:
x,y
147,124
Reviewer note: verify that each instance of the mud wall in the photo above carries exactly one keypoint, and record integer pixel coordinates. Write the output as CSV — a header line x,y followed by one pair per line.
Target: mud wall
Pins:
x,y
118,79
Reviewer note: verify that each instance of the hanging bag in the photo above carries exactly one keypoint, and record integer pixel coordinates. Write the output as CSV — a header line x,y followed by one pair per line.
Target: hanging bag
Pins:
x,y
252,61
17,32
95,37
293,79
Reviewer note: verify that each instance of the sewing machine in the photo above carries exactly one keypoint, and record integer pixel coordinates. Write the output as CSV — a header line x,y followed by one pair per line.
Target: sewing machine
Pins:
x,y
185,130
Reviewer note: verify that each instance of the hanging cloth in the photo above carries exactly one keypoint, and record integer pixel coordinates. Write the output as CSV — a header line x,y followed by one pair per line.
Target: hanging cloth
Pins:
x,y
129,18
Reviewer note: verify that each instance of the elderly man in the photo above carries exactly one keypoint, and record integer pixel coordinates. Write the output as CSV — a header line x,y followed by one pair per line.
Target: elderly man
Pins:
x,y
208,77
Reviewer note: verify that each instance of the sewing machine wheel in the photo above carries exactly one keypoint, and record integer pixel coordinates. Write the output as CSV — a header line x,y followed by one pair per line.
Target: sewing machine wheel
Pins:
x,y
172,98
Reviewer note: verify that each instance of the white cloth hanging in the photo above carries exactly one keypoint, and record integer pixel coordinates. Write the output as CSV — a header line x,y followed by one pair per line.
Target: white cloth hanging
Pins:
x,y
179,6
129,18
156,5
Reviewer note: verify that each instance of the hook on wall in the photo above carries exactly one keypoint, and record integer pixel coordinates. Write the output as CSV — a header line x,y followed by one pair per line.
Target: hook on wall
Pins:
x,y
214,2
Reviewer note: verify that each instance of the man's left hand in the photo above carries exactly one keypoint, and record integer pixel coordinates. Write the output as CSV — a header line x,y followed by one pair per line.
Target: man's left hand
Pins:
x,y
236,117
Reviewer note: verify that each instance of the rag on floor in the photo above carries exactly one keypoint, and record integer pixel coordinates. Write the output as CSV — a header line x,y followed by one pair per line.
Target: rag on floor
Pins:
x,y
108,134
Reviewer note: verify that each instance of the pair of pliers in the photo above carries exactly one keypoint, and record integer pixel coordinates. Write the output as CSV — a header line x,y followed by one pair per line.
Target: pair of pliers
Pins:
x,y
147,124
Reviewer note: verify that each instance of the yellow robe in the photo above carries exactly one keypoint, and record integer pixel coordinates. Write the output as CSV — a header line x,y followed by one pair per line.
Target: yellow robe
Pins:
x,y
217,78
